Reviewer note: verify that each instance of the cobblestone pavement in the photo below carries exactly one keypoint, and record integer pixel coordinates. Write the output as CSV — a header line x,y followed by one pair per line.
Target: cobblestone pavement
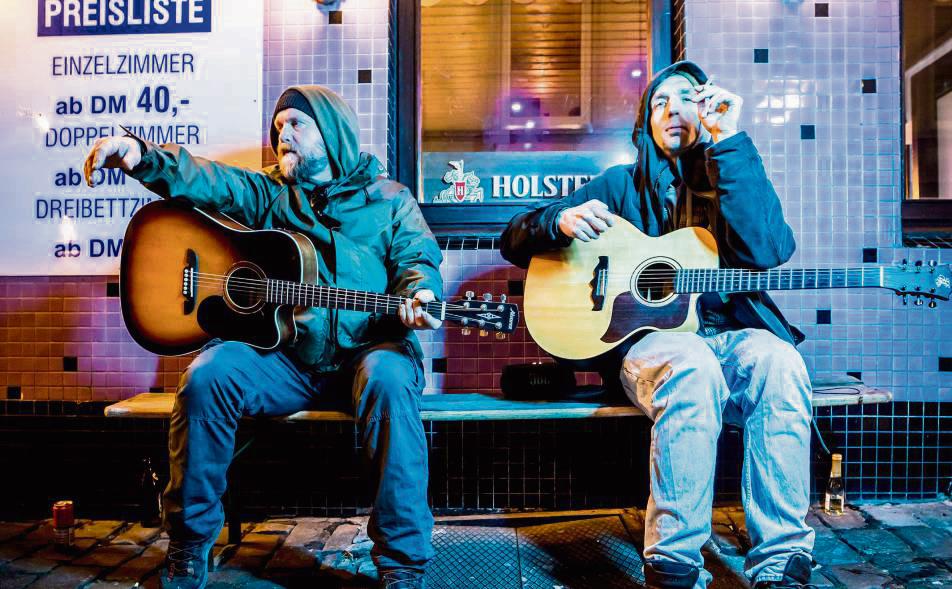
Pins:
x,y
874,545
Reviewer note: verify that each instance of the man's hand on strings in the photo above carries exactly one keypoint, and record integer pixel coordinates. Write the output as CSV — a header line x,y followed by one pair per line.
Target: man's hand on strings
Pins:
x,y
586,221
412,315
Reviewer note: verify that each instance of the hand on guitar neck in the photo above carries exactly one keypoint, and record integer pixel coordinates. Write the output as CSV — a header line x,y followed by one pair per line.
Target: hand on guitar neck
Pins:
x,y
586,221
412,315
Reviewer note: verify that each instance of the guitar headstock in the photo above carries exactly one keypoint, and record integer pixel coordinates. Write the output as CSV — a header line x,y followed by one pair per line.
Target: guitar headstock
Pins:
x,y
485,314
930,281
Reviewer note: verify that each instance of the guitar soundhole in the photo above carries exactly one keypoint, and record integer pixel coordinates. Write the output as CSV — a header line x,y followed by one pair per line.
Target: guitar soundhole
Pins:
x,y
655,282
245,289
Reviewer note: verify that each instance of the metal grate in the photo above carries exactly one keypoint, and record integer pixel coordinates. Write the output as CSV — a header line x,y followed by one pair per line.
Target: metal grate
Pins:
x,y
473,556
596,553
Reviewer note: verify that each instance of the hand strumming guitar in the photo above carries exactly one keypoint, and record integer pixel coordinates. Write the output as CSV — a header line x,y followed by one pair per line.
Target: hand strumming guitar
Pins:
x,y
586,221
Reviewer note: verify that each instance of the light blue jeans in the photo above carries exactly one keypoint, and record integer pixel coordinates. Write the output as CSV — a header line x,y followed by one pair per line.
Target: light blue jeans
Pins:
x,y
689,385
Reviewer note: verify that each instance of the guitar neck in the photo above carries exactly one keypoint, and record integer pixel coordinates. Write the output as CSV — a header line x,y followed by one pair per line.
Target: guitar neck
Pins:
x,y
285,292
739,280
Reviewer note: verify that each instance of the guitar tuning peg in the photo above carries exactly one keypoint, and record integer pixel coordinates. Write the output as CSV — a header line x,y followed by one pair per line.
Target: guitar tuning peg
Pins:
x,y
918,301
501,336
502,298
466,330
483,333
904,262
487,296
933,263
932,304
470,294
904,301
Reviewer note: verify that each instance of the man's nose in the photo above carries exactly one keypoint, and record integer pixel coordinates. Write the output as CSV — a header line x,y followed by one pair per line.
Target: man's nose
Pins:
x,y
675,106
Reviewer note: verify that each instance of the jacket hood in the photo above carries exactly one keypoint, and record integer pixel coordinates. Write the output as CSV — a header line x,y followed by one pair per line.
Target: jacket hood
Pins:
x,y
689,69
337,122
653,174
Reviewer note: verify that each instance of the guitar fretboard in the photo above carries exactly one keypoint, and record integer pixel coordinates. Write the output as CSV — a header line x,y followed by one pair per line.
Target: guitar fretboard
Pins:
x,y
740,280
311,295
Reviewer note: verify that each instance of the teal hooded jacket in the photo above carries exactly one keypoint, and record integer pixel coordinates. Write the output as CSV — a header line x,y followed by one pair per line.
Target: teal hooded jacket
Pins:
x,y
368,230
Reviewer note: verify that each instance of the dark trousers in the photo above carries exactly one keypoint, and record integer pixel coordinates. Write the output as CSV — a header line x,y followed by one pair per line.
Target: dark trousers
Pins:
x,y
230,380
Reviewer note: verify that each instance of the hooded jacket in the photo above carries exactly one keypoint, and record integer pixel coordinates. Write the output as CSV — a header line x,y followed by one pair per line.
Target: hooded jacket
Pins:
x,y
368,231
724,188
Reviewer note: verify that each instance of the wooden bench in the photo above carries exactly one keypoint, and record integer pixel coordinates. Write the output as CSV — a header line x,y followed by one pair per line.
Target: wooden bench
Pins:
x,y
475,407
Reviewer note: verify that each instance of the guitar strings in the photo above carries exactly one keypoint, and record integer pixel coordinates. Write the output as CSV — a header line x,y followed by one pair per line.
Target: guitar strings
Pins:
x,y
346,297
663,277
389,307
381,303
261,287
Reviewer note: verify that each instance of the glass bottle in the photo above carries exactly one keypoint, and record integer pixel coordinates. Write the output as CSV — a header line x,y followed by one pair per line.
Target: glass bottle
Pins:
x,y
834,500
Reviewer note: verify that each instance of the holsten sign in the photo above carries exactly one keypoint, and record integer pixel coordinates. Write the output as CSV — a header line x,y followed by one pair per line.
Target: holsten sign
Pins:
x,y
475,177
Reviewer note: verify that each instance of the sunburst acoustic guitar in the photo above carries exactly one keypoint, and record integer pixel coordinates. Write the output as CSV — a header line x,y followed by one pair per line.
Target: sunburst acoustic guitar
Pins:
x,y
585,299
187,276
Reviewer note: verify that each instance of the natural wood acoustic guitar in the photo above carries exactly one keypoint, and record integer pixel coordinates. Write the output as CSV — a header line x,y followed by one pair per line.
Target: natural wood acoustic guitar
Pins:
x,y
585,299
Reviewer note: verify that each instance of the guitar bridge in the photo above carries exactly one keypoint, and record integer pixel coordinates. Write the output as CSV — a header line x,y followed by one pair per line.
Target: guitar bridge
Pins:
x,y
599,283
190,281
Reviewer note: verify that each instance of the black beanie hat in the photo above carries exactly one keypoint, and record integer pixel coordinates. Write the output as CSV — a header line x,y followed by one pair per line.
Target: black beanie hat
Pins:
x,y
291,98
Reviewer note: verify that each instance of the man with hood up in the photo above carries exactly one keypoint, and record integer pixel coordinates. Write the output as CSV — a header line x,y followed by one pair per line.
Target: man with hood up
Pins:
x,y
694,168
370,235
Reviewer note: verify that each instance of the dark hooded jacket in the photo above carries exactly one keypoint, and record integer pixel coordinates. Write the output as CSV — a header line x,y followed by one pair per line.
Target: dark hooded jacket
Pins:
x,y
724,188
368,231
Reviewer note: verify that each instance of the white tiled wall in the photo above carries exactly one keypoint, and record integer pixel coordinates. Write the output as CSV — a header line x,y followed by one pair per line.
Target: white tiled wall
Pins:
x,y
302,48
842,190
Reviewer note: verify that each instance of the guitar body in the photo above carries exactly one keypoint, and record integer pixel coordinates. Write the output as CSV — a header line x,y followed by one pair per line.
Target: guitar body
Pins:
x,y
167,311
585,299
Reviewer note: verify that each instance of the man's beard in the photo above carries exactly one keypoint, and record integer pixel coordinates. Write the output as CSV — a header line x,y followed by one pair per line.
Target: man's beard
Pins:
x,y
302,168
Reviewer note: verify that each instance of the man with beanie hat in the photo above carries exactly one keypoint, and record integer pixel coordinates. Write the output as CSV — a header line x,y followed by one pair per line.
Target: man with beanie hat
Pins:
x,y
695,168
370,235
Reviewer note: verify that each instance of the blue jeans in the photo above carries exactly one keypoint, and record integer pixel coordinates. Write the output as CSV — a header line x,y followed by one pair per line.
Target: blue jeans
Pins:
x,y
230,380
688,385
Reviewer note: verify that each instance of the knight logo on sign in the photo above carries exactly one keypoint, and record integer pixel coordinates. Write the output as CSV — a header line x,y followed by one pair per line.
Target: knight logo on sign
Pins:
x,y
464,186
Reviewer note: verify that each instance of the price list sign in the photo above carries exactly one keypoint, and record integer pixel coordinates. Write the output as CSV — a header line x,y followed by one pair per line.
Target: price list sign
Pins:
x,y
171,71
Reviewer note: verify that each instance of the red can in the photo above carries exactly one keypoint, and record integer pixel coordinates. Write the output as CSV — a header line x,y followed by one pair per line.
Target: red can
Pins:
x,y
63,524
63,514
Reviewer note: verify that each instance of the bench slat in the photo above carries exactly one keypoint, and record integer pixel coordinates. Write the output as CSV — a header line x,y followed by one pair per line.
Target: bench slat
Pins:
x,y
475,406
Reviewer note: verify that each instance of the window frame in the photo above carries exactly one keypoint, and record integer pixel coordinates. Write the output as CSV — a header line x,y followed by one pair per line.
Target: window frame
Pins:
x,y
925,222
405,135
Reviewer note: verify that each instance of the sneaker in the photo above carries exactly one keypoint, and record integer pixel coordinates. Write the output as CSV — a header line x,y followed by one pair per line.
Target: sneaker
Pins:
x,y
796,575
666,574
186,565
402,579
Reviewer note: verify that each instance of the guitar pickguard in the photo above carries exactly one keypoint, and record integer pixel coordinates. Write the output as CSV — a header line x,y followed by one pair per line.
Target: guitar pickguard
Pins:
x,y
628,314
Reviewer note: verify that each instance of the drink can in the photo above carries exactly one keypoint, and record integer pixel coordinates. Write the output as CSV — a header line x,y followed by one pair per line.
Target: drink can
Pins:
x,y
63,514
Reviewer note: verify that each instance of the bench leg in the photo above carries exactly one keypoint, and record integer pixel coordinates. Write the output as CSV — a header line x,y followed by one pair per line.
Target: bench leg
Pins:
x,y
232,507
233,517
